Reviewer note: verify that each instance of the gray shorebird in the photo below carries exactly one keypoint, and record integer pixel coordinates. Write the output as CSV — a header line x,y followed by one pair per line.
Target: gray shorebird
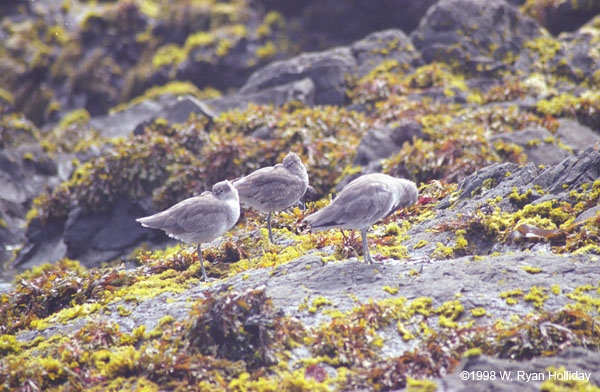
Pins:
x,y
363,202
199,219
274,188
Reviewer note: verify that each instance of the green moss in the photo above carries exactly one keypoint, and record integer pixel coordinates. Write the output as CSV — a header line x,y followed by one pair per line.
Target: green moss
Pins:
x,y
511,296
6,96
531,270
267,51
75,118
167,56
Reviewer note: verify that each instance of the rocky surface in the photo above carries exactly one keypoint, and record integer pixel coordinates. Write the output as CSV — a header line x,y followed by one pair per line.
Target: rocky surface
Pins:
x,y
116,110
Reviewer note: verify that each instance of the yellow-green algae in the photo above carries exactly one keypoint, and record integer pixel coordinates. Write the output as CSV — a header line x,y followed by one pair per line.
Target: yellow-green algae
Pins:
x,y
182,353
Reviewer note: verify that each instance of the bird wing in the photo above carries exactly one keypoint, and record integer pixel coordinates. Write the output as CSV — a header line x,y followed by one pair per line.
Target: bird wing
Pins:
x,y
269,187
357,205
194,215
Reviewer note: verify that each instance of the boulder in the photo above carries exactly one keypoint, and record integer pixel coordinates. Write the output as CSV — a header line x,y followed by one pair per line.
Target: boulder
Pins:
x,y
123,122
327,70
575,135
302,91
180,110
382,46
538,143
476,35
382,143
578,56
101,236
329,23
564,15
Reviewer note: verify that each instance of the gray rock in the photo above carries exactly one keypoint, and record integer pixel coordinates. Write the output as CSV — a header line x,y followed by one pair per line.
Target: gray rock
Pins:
x,y
95,237
44,244
302,91
382,143
474,33
122,123
328,23
179,111
565,15
538,144
519,375
577,136
383,46
327,70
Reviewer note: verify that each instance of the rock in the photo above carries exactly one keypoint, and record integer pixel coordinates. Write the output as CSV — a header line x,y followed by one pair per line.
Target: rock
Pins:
x,y
382,143
95,237
326,23
24,172
301,91
562,16
327,70
571,173
575,135
476,34
519,375
179,111
498,182
44,244
538,144
122,123
578,57
384,46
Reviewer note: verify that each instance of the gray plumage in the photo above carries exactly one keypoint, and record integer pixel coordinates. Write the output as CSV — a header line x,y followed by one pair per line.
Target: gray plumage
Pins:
x,y
274,188
199,219
363,202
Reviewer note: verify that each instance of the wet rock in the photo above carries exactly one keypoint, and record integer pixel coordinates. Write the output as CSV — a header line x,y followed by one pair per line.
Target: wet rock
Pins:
x,y
475,33
538,143
327,70
384,45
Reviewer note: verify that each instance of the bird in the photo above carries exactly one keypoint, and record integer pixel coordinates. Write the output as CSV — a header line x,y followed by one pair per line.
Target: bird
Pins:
x,y
199,219
364,201
274,188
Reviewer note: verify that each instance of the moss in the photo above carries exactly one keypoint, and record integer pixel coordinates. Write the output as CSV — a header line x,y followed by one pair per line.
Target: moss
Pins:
x,y
175,87
167,56
77,117
421,244
413,385
390,290
511,296
478,312
267,51
537,295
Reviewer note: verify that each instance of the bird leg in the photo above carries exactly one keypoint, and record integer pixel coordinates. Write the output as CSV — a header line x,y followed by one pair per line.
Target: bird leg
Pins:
x,y
269,227
366,252
201,262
